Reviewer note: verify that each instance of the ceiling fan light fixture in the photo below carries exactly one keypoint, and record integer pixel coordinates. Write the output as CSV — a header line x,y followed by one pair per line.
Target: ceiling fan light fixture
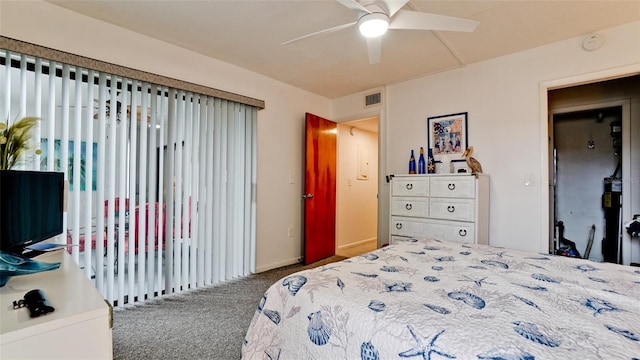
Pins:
x,y
373,24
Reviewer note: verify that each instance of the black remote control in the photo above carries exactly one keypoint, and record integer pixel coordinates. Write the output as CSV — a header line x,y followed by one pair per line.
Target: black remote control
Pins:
x,y
37,304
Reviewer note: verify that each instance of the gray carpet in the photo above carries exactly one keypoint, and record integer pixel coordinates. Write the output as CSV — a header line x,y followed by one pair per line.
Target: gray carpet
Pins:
x,y
206,323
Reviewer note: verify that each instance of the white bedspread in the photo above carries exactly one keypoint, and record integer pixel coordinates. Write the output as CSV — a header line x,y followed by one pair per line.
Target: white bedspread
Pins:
x,y
429,299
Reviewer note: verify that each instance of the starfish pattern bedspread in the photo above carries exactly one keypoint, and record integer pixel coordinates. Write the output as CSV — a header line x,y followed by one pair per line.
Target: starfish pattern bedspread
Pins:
x,y
430,299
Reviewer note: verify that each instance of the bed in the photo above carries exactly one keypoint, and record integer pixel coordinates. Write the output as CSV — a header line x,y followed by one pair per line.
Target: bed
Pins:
x,y
430,299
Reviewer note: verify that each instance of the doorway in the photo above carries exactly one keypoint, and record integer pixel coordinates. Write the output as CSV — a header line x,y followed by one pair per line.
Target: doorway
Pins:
x,y
609,92
587,182
357,187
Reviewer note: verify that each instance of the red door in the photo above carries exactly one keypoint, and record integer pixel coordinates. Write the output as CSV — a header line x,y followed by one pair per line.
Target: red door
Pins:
x,y
320,189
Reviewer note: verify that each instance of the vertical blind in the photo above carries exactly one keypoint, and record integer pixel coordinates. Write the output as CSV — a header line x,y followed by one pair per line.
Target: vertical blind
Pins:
x,y
161,181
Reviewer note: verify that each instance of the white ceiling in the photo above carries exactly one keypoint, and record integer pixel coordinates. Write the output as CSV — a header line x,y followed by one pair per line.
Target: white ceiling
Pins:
x,y
249,33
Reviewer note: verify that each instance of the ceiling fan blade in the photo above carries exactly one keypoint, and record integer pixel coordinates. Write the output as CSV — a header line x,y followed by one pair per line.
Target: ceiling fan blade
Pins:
x,y
415,20
325,31
353,5
394,5
374,47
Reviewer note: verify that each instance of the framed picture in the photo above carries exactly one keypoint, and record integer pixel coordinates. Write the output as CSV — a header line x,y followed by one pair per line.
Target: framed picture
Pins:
x,y
447,136
83,161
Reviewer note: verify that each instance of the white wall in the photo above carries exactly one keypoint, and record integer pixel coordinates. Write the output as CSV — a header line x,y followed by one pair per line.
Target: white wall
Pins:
x,y
356,198
280,124
502,97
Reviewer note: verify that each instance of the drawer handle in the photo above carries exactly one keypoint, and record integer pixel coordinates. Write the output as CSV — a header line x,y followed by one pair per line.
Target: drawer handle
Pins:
x,y
409,186
408,206
451,208
451,186
462,232
398,226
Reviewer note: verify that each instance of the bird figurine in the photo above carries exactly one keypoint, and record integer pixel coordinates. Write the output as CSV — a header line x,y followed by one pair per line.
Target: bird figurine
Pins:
x,y
473,164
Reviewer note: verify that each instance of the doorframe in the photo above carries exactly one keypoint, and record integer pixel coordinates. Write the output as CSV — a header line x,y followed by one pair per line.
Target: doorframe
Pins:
x,y
545,140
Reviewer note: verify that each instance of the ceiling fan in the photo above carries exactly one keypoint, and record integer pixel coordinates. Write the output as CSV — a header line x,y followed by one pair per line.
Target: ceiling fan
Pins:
x,y
376,16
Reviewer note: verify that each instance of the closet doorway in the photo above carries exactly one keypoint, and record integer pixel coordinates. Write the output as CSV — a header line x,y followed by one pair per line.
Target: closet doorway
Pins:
x,y
587,181
594,112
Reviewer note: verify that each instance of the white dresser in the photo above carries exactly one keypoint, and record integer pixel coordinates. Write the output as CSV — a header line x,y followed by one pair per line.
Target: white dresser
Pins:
x,y
440,206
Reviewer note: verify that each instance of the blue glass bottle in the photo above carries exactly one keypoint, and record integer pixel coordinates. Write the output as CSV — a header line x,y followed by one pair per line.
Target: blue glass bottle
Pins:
x,y
422,166
412,164
431,163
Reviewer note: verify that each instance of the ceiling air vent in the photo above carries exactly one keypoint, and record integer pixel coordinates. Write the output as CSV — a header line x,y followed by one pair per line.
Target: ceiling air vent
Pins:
x,y
372,99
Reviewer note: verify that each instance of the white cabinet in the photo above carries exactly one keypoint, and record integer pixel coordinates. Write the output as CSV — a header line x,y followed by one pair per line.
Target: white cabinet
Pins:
x,y
79,328
448,207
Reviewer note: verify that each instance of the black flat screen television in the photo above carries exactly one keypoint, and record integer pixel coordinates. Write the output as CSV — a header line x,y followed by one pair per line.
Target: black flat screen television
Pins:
x,y
31,208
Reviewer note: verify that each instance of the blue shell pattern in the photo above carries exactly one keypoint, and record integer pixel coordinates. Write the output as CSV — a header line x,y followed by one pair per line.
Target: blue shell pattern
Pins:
x,y
387,268
626,333
599,306
262,302
506,354
294,283
468,298
273,315
319,331
545,278
463,300
368,352
530,331
495,263
376,305
438,309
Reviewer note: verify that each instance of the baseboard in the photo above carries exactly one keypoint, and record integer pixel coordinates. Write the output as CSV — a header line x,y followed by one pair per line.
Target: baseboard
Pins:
x,y
297,260
279,264
357,243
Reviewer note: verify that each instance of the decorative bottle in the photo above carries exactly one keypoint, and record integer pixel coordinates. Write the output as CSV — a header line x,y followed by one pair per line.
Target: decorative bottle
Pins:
x,y
431,164
412,164
421,163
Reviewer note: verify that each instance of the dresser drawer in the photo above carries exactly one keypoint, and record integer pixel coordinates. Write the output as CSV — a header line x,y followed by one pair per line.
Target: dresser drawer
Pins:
x,y
407,186
452,209
404,226
432,229
453,186
408,206
454,231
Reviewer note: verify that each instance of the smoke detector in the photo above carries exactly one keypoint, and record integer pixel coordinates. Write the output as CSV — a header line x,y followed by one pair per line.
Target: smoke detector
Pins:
x,y
592,42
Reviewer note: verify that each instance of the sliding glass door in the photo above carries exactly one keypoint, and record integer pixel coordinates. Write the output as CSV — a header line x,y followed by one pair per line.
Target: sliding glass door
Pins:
x,y
161,180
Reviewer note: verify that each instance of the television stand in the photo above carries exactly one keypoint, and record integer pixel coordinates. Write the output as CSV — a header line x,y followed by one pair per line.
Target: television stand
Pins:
x,y
80,326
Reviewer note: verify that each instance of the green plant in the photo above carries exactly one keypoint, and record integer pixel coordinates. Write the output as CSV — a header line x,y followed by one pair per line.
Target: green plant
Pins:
x,y
15,140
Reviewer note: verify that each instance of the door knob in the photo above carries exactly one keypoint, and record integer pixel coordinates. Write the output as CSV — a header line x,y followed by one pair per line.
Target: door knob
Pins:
x,y
307,196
